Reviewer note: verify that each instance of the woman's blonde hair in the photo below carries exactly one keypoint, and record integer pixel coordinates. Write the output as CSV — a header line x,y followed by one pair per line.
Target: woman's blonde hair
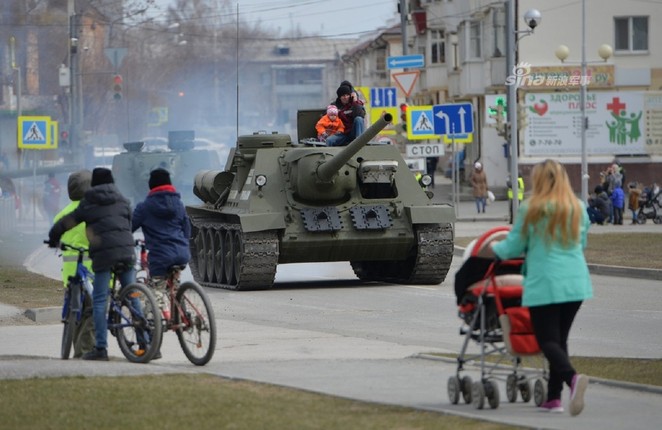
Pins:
x,y
553,199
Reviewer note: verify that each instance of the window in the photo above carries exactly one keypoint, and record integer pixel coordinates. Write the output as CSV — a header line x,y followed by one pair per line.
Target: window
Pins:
x,y
499,28
475,48
437,47
380,60
631,33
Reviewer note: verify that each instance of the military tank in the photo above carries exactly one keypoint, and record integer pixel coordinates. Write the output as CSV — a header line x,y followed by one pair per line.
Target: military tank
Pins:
x,y
281,202
131,168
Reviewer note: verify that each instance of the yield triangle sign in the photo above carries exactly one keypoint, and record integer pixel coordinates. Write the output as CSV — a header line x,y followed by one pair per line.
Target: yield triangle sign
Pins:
x,y
406,81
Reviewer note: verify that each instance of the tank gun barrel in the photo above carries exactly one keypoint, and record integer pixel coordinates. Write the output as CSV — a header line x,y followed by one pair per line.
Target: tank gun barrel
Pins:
x,y
326,170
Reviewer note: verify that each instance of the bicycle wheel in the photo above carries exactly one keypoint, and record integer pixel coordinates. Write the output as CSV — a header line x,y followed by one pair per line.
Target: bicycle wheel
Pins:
x,y
196,323
136,319
69,321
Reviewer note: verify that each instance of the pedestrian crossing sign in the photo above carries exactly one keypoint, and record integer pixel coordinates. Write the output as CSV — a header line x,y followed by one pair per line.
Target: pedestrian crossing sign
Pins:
x,y
36,132
420,124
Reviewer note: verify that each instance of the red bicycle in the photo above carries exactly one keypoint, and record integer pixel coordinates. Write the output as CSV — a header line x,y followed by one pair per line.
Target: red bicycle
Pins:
x,y
185,309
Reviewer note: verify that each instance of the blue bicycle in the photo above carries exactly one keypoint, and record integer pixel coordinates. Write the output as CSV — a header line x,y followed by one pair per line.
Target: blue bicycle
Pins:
x,y
77,296
134,316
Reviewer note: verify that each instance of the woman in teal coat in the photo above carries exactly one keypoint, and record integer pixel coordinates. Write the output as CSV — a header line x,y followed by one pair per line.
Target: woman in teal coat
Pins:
x,y
550,230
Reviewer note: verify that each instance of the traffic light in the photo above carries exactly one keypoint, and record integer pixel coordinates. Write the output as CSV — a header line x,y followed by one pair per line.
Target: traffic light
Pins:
x,y
403,115
64,139
117,87
497,114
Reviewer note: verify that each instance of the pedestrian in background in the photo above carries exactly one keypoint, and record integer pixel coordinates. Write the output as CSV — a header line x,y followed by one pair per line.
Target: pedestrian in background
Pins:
x,y
479,185
51,200
634,194
520,194
551,229
618,202
599,206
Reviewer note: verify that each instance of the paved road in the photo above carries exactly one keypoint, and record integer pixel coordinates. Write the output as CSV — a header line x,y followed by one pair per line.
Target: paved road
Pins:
x,y
368,348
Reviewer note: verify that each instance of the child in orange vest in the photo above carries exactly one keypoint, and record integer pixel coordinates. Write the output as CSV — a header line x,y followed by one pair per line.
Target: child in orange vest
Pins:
x,y
329,124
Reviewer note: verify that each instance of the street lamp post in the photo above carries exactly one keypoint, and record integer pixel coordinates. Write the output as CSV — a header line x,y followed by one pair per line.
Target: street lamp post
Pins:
x,y
562,52
532,18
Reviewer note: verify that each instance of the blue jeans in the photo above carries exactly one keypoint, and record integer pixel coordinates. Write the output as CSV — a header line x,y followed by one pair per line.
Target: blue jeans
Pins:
x,y
595,216
358,127
480,204
100,302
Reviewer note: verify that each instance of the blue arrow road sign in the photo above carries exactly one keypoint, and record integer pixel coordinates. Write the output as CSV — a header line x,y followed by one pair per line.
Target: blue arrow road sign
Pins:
x,y
454,118
406,61
383,97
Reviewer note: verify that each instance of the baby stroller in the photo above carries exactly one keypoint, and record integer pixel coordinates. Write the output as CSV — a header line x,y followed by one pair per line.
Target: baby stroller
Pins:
x,y
489,296
649,206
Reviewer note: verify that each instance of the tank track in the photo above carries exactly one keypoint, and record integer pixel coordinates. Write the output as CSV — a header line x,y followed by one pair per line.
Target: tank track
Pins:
x,y
259,257
429,265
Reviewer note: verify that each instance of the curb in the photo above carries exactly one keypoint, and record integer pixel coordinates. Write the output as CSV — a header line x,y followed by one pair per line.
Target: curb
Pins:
x,y
626,272
653,389
600,269
44,315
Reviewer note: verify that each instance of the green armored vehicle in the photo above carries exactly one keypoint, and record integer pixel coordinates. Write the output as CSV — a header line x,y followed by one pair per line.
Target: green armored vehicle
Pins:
x,y
279,202
131,168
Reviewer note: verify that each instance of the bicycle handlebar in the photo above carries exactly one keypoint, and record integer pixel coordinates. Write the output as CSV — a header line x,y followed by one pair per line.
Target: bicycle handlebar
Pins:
x,y
64,246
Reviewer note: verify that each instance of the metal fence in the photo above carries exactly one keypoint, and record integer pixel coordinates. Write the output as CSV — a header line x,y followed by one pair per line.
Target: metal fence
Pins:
x,y
7,214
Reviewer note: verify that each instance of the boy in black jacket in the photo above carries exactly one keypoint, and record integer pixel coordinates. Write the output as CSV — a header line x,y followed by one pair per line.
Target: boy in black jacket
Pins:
x,y
108,217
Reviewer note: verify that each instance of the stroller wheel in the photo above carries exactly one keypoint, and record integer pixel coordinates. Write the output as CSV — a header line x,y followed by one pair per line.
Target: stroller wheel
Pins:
x,y
467,386
492,392
511,388
453,388
478,395
658,219
525,390
540,391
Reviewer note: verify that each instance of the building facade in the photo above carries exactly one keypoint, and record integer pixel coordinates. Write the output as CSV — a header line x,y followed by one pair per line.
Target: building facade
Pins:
x,y
464,46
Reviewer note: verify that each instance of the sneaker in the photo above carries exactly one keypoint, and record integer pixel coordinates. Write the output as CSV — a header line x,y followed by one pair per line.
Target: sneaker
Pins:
x,y
553,406
98,354
577,390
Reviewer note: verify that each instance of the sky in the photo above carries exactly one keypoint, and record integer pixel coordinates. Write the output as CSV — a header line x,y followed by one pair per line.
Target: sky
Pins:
x,y
328,17
332,18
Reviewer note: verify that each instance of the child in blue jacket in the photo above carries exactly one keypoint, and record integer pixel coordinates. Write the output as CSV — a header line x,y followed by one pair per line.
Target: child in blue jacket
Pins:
x,y
165,225
618,202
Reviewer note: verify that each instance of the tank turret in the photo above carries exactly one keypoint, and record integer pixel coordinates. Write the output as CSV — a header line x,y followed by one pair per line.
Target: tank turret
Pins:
x,y
281,202
131,168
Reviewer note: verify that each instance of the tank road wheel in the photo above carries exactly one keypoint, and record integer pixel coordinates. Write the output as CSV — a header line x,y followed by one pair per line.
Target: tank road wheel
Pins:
x,y
201,255
237,257
428,263
219,270
228,260
210,254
